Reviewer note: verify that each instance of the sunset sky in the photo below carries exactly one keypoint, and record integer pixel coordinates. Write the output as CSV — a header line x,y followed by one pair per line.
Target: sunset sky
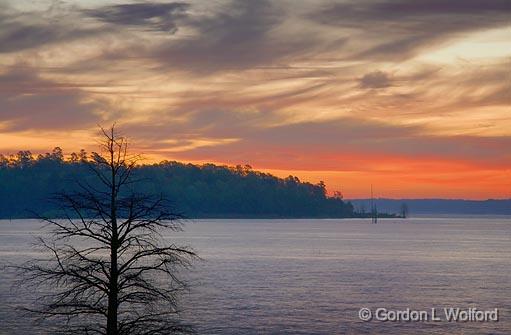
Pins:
x,y
413,97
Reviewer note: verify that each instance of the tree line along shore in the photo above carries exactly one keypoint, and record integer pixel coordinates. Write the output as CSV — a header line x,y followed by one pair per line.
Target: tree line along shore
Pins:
x,y
196,191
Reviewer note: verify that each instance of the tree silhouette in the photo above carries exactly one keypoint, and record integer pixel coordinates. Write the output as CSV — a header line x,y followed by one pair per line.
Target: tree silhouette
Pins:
x,y
109,271
205,190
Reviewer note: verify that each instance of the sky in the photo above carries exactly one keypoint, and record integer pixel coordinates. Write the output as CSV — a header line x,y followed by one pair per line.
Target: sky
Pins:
x,y
413,97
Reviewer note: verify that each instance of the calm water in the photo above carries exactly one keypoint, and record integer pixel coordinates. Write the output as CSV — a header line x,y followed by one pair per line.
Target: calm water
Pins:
x,y
312,276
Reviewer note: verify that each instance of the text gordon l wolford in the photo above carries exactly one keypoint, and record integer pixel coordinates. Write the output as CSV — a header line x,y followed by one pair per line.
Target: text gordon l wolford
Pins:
x,y
449,314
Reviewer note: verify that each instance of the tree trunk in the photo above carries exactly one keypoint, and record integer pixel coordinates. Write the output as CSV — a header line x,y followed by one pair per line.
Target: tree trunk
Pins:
x,y
111,325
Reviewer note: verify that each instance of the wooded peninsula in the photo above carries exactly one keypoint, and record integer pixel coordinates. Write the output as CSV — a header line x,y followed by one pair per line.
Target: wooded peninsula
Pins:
x,y
197,191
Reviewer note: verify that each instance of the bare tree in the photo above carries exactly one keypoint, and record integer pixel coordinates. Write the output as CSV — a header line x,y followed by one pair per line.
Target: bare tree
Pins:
x,y
109,271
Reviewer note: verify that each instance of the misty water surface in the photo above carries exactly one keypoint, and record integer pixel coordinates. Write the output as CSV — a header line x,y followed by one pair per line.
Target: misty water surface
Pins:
x,y
312,276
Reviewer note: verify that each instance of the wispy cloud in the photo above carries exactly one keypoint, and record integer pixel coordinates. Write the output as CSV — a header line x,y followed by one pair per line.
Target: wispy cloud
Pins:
x,y
22,31
400,29
376,79
30,102
145,15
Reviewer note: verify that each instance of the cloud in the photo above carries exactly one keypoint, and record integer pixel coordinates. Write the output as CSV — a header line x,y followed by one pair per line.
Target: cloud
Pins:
x,y
393,9
239,35
30,102
377,79
357,154
149,16
206,39
263,139
399,29
28,30
17,36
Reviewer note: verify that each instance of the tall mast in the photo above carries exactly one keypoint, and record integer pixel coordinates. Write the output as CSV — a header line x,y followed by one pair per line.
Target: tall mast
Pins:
x,y
374,213
372,205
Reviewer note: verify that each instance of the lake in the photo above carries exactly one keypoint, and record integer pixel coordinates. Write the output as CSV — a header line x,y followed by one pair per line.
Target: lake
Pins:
x,y
313,276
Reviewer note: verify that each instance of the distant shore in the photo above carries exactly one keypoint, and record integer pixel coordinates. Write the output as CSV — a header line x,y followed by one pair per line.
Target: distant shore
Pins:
x,y
438,206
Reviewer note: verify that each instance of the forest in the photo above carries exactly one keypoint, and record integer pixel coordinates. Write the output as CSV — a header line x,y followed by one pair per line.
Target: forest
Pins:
x,y
27,184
